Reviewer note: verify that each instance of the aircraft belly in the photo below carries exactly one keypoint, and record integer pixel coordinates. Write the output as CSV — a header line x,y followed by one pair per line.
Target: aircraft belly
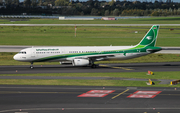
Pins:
x,y
57,60
127,56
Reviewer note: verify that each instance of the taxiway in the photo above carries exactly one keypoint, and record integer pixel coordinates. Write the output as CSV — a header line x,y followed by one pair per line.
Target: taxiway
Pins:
x,y
105,68
88,99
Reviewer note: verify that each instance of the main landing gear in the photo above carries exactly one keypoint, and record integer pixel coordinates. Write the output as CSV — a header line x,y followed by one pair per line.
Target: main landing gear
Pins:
x,y
94,66
31,67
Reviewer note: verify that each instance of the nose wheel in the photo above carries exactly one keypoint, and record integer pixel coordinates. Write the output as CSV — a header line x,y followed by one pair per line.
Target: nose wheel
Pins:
x,y
31,67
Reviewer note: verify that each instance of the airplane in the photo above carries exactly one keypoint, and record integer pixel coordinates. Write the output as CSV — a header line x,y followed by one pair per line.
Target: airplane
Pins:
x,y
86,56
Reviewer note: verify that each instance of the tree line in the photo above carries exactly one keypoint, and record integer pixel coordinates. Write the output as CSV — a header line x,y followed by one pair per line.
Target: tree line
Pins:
x,y
90,7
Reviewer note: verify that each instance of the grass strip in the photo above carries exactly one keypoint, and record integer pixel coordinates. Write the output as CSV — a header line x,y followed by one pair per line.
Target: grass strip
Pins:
x,y
77,82
83,83
85,36
143,75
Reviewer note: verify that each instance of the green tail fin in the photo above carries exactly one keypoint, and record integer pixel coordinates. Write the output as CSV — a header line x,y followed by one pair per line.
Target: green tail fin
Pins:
x,y
151,36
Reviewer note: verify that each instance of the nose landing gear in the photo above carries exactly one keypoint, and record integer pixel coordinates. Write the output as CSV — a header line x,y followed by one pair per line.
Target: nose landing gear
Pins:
x,y
31,67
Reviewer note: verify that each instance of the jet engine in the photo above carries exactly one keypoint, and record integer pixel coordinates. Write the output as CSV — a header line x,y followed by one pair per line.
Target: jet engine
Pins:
x,y
65,62
80,62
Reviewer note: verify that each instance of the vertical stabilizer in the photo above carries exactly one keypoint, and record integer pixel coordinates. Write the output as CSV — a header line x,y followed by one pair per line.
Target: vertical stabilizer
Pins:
x,y
151,36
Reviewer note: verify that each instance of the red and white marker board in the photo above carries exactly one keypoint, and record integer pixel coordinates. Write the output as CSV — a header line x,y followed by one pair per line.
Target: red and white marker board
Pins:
x,y
144,94
92,95
147,92
96,93
100,91
140,96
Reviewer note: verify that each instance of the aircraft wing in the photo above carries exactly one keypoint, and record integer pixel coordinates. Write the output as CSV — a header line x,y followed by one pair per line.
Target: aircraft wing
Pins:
x,y
100,57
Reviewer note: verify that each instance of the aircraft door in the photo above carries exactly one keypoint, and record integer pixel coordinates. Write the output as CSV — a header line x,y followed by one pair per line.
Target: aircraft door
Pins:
x,y
63,51
32,52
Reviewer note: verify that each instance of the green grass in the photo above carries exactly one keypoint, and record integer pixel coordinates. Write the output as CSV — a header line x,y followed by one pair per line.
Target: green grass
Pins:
x,y
73,82
151,20
82,82
157,75
86,36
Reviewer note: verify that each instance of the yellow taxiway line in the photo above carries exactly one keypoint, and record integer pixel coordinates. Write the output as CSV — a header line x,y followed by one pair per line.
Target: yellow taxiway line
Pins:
x,y
116,67
120,94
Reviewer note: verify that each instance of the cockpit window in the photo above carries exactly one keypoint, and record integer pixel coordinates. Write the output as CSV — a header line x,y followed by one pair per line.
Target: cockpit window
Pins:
x,y
22,52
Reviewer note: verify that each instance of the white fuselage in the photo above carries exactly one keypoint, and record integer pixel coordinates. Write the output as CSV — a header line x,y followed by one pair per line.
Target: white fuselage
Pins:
x,y
35,53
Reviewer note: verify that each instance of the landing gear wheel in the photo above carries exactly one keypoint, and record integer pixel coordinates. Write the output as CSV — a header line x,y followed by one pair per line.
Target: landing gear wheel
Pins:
x,y
31,67
94,66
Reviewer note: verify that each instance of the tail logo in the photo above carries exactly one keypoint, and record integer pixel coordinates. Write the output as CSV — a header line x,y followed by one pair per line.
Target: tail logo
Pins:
x,y
149,37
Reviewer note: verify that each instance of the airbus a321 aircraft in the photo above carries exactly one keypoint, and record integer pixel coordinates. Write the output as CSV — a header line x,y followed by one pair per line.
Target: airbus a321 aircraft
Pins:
x,y
86,56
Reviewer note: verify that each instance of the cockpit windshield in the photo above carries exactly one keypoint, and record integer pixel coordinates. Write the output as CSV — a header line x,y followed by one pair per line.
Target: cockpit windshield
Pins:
x,y
22,52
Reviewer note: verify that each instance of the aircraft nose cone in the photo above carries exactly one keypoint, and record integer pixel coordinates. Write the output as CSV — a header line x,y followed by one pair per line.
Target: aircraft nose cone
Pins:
x,y
15,57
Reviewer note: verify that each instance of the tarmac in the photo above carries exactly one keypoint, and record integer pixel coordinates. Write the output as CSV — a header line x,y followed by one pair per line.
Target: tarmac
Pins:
x,y
88,99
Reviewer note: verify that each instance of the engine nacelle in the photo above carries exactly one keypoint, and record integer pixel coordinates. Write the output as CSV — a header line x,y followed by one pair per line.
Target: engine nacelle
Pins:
x,y
65,62
80,62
